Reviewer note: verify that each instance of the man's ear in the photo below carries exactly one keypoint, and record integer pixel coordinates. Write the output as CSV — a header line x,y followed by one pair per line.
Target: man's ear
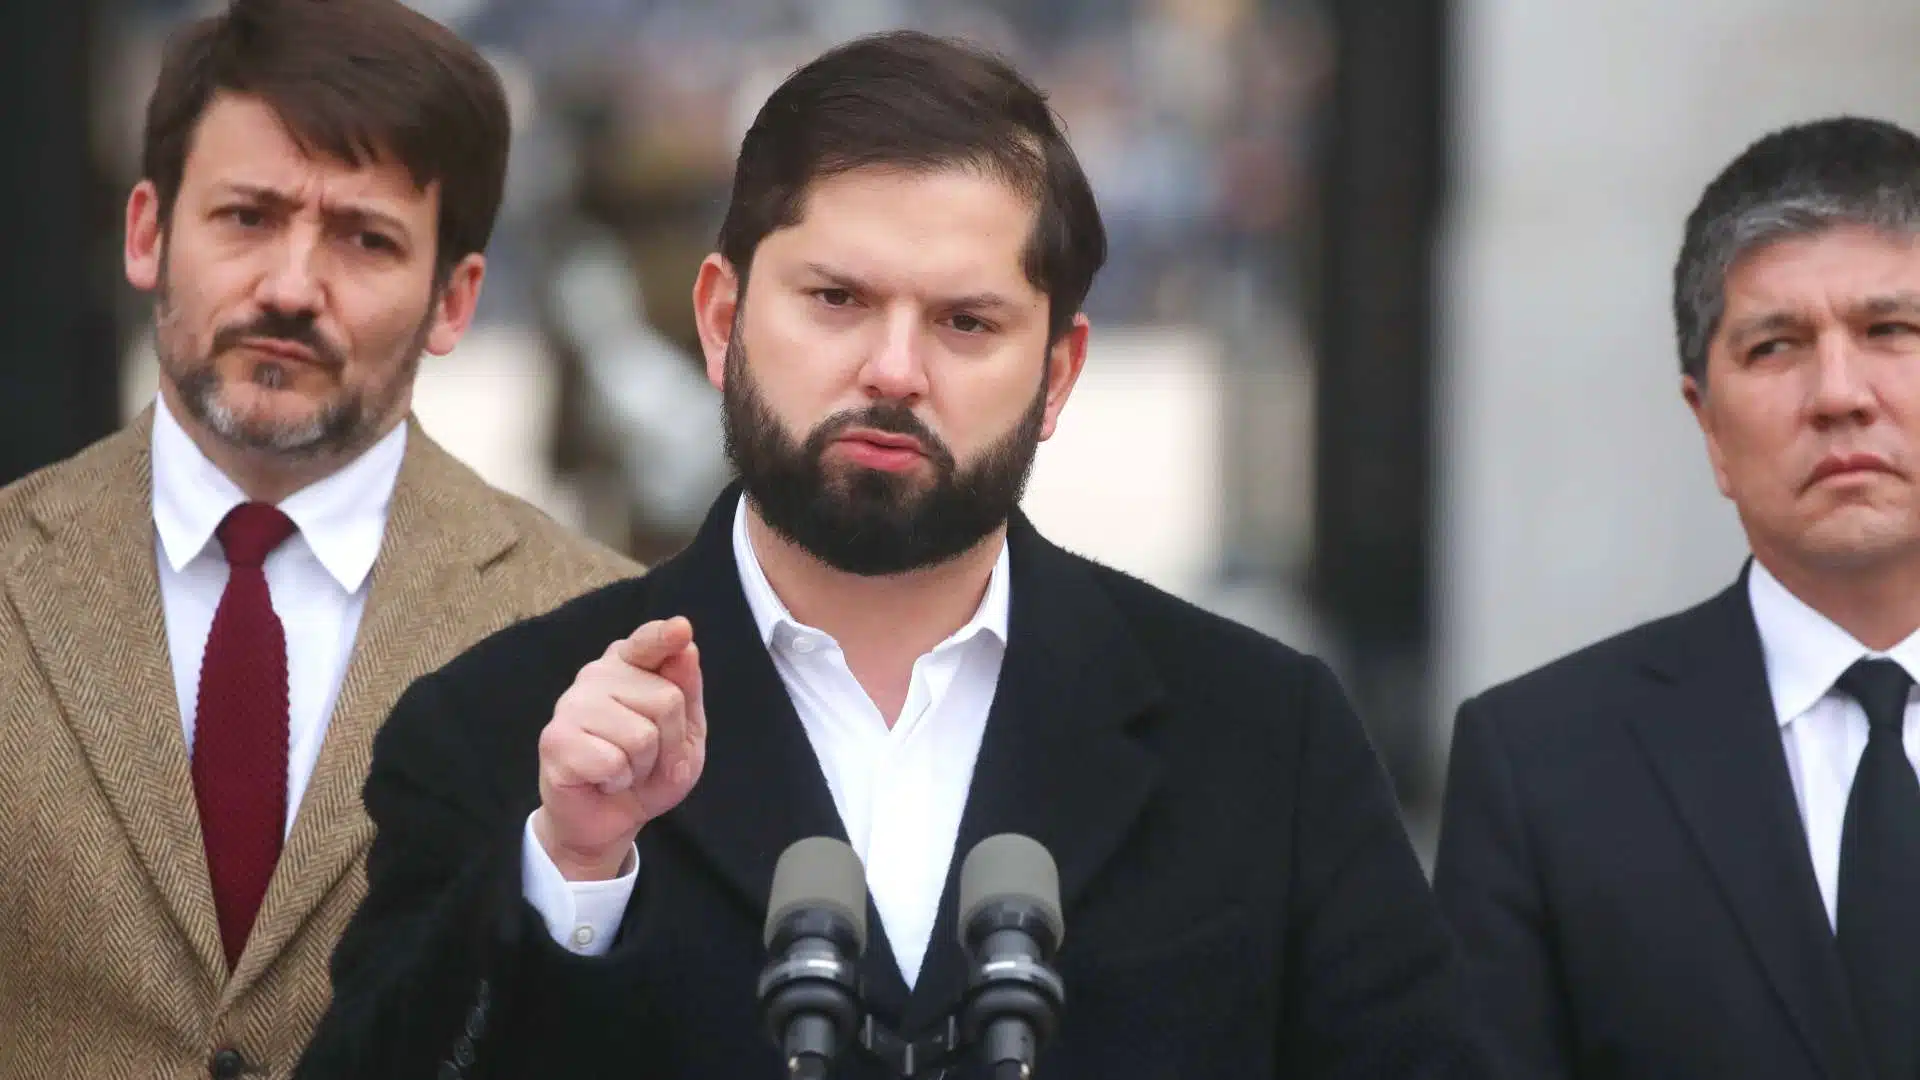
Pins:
x,y
1694,393
145,241
458,300
716,301
1065,360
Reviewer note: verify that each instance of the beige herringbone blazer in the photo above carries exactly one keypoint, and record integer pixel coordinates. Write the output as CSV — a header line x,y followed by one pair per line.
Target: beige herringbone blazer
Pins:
x,y
110,960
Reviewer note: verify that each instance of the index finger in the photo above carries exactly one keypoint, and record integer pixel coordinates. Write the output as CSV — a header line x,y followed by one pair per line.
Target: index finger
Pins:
x,y
656,642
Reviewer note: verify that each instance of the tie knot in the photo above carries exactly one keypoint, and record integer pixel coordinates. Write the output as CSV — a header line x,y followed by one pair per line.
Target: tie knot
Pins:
x,y
251,531
1880,686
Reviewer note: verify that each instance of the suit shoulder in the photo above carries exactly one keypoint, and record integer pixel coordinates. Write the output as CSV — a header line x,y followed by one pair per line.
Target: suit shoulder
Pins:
x,y
560,551
1588,678
17,498
549,565
558,640
105,462
1169,625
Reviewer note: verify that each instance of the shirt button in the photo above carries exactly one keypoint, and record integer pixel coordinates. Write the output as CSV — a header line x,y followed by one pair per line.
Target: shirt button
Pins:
x,y
803,645
582,936
227,1064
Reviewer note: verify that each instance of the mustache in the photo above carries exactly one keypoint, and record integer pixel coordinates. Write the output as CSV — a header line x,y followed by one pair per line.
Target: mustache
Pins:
x,y
892,418
279,326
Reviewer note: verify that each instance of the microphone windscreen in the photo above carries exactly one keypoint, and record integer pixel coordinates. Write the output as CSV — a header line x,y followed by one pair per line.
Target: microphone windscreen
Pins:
x,y
819,872
1010,867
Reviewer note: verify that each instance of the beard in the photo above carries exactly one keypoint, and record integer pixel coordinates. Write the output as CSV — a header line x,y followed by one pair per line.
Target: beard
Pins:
x,y
339,426
866,521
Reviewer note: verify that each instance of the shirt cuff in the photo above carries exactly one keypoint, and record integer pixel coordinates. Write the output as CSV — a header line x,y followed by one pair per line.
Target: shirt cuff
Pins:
x,y
582,916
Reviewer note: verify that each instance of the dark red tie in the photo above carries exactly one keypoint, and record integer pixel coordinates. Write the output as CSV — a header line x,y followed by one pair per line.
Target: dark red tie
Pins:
x,y
240,730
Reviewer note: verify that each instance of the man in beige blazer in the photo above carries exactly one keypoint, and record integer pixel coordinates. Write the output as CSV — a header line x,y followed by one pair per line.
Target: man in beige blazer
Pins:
x,y
185,727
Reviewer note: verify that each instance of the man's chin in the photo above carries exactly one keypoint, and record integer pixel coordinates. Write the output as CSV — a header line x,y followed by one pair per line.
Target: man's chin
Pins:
x,y
271,421
851,482
1861,538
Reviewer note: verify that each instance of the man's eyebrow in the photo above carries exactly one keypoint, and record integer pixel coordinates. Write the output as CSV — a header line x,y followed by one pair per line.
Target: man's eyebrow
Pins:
x,y
1771,322
839,279
982,301
349,213
1900,303
985,300
367,215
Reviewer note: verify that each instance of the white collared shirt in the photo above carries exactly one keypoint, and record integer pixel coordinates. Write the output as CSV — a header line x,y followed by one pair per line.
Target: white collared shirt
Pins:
x,y
1823,731
317,578
900,789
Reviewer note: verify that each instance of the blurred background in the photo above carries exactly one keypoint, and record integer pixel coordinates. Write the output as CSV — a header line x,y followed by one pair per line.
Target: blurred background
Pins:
x,y
1382,361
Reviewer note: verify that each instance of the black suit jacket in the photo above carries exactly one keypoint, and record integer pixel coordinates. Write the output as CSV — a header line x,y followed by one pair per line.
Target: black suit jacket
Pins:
x,y
1240,898
1623,858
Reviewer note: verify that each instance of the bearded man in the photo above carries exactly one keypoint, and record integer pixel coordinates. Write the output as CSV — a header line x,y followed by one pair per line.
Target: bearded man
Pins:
x,y
579,820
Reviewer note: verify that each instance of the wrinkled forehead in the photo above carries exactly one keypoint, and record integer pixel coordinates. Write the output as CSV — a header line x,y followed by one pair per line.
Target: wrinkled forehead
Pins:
x,y
242,145
946,231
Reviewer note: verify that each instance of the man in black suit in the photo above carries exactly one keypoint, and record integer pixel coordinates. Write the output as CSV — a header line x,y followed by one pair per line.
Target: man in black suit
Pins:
x,y
889,654
1693,851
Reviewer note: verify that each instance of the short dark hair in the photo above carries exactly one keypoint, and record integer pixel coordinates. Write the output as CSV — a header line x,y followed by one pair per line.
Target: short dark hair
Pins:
x,y
906,99
355,80
1797,181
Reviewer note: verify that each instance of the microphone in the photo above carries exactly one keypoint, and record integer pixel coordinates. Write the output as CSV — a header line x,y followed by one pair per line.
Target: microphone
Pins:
x,y
1010,927
816,930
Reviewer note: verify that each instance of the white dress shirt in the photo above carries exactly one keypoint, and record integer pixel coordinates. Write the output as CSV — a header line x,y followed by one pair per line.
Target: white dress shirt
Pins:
x,y
900,789
317,579
1823,731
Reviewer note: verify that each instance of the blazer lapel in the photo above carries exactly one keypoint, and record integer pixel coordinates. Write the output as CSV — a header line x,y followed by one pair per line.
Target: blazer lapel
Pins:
x,y
1713,739
1058,762
439,538
763,788
89,600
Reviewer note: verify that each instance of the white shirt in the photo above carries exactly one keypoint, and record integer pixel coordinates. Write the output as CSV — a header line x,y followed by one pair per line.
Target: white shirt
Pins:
x,y
900,790
317,579
1823,731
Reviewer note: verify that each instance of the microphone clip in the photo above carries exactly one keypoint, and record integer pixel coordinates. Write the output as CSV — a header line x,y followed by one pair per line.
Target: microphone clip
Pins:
x,y
925,1058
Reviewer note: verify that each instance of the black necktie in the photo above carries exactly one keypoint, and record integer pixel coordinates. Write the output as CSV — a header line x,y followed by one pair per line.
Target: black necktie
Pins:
x,y
1879,918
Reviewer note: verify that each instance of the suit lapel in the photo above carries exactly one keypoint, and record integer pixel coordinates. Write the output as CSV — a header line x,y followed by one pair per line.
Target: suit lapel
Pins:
x,y
89,600
1713,739
1057,762
439,537
763,788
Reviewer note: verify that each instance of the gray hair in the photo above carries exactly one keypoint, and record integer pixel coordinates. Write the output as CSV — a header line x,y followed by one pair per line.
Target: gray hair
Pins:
x,y
1799,181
